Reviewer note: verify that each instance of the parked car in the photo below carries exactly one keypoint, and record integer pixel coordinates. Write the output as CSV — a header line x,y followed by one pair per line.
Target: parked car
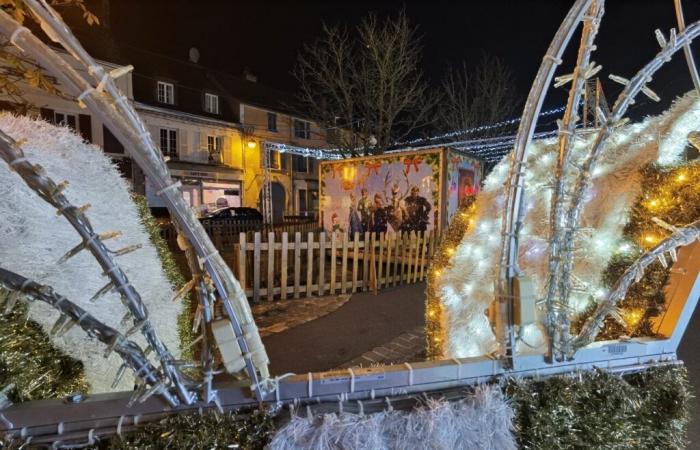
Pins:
x,y
234,212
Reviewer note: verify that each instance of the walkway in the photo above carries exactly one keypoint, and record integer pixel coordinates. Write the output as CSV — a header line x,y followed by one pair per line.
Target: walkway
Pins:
x,y
365,322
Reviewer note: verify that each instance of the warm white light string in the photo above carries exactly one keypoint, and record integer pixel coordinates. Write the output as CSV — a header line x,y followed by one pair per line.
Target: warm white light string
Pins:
x,y
485,148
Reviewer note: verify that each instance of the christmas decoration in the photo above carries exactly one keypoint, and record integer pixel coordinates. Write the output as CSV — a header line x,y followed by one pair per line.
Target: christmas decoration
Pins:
x,y
38,235
465,287
645,410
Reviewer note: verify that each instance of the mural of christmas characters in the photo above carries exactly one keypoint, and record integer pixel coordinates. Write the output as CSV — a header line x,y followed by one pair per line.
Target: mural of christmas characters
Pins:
x,y
396,192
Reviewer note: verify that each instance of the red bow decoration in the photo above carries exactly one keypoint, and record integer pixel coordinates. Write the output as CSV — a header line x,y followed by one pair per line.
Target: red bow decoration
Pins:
x,y
337,170
408,162
372,166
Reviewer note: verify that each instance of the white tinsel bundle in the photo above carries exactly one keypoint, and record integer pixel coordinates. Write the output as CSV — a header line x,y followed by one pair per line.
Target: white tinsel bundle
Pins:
x,y
34,238
482,421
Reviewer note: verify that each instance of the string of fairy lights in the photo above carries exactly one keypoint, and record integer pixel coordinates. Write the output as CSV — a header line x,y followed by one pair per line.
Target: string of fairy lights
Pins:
x,y
491,150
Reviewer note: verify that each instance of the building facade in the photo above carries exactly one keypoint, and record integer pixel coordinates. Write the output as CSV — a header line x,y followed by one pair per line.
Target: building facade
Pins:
x,y
211,127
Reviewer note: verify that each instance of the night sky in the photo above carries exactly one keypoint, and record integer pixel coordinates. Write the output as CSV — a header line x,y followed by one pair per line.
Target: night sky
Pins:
x,y
266,36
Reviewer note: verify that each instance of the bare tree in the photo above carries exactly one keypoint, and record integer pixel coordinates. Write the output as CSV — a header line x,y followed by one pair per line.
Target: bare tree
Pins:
x,y
367,87
480,97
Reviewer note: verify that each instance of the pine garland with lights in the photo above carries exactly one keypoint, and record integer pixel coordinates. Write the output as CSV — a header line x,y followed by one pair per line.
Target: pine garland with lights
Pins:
x,y
172,272
671,194
246,430
598,410
434,313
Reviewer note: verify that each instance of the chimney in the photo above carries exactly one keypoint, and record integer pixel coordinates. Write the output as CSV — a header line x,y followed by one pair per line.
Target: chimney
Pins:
x,y
250,76
194,55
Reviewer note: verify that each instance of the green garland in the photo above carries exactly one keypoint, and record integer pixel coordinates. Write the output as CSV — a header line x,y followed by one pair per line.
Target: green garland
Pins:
x,y
250,430
597,410
671,194
172,272
31,363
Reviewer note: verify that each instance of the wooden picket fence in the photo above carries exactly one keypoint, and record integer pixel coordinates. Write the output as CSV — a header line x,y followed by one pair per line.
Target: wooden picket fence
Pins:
x,y
316,264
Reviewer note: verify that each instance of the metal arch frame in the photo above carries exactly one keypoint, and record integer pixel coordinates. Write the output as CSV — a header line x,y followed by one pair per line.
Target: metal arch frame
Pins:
x,y
513,212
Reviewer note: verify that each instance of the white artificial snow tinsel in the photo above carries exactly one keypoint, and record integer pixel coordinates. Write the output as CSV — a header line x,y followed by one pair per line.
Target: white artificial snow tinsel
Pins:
x,y
481,422
33,238
468,285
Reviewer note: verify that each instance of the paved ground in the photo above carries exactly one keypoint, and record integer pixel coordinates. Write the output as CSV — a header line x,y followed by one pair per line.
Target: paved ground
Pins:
x,y
278,316
365,322
406,347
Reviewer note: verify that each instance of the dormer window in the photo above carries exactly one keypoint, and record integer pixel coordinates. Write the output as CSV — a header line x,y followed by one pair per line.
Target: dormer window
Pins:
x,y
211,103
166,93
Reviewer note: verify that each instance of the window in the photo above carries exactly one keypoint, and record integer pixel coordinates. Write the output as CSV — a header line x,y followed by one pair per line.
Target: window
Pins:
x,y
168,142
275,160
166,93
302,129
63,119
302,201
271,122
211,103
300,163
215,144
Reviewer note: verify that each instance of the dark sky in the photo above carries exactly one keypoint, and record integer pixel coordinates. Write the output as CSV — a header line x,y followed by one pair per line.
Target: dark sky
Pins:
x,y
266,35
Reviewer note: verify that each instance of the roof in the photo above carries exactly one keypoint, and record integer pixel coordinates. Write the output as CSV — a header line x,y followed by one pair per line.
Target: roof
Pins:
x,y
191,80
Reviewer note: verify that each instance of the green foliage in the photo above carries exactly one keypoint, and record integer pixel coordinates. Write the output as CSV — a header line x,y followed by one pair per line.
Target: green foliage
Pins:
x,y
240,430
172,272
598,410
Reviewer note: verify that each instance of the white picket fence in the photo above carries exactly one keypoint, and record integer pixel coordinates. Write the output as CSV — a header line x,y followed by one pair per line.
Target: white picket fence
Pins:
x,y
316,264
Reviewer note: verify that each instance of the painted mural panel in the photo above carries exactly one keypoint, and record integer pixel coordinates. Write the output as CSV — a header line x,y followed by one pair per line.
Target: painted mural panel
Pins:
x,y
392,193
463,180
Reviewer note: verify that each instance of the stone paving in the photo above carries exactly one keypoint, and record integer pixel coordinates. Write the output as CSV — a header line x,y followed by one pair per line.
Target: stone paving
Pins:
x,y
277,316
407,347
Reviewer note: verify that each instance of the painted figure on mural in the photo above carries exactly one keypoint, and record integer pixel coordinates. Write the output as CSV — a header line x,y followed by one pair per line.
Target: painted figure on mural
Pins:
x,y
396,213
354,220
364,207
335,224
417,212
380,215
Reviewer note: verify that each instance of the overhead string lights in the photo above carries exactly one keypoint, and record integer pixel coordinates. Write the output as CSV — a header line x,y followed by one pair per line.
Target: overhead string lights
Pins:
x,y
490,149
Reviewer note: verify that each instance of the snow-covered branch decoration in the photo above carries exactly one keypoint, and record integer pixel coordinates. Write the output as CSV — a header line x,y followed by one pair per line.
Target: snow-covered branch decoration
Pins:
x,y
109,104
680,237
150,380
35,177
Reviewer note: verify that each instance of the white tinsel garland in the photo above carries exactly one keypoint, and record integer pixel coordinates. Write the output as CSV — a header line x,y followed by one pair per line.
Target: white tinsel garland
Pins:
x,y
483,421
468,285
34,238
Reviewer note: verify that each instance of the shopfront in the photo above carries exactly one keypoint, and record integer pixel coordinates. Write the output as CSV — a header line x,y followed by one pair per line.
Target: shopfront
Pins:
x,y
205,188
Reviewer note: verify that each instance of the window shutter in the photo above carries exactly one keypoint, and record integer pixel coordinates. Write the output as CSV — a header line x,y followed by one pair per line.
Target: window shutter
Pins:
x,y
85,126
182,144
203,146
46,114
